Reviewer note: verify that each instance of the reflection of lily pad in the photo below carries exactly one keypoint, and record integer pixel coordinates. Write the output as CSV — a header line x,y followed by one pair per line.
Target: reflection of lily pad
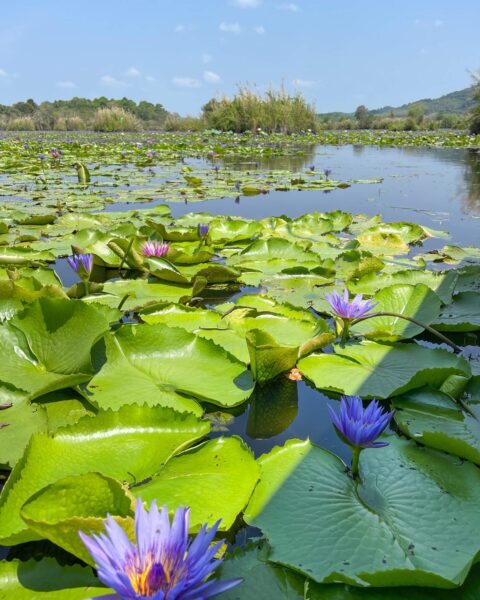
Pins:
x,y
273,407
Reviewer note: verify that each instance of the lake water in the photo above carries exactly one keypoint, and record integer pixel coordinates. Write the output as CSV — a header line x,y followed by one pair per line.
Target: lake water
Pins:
x,y
438,188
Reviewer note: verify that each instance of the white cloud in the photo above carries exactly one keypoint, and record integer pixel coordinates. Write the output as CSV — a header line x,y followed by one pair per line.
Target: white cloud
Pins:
x,y
246,3
111,81
206,58
289,7
416,22
438,22
230,28
304,82
186,82
211,77
150,79
132,72
181,28
3,73
260,29
67,85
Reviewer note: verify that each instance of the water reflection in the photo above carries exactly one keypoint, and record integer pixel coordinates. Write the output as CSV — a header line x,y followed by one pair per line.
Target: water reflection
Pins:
x,y
471,197
291,162
273,408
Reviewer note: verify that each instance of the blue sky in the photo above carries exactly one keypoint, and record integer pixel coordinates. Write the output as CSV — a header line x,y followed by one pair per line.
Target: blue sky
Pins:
x,y
183,52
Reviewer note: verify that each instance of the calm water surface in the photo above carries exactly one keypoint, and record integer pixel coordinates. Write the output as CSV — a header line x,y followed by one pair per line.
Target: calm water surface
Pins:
x,y
438,188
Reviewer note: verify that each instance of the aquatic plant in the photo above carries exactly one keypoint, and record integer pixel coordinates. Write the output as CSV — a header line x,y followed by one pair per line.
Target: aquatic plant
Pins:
x,y
164,563
358,426
348,310
203,229
115,119
82,265
154,248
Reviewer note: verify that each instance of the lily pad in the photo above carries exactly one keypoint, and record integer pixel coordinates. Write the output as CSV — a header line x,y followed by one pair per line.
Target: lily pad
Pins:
x,y
463,314
128,445
368,533
377,370
418,302
434,419
162,362
214,479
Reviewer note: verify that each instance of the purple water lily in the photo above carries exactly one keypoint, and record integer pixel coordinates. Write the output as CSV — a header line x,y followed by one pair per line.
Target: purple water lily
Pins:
x,y
359,426
82,264
327,173
164,564
153,248
311,167
203,229
55,153
345,309
41,156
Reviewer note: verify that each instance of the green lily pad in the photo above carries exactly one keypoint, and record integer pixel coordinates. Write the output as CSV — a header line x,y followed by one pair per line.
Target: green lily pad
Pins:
x,y
434,419
463,314
47,580
267,357
129,444
369,533
261,579
80,503
47,346
214,479
418,302
443,284
157,360
377,370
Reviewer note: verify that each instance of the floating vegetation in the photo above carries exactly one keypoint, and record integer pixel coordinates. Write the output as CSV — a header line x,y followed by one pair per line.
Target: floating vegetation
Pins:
x,y
133,342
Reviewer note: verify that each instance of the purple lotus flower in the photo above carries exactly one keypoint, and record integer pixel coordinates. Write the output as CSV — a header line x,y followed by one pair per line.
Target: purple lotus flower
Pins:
x,y
210,154
203,229
82,265
164,564
153,248
358,426
311,167
55,153
345,309
327,173
41,156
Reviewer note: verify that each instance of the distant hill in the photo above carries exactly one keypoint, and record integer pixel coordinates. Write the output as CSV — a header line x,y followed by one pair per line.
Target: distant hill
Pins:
x,y
453,103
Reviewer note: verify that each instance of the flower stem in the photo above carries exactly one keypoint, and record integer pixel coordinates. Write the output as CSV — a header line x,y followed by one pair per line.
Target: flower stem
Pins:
x,y
127,251
355,459
86,287
412,320
345,331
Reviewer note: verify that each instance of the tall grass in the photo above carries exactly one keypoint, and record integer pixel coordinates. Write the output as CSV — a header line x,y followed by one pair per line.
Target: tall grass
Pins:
x,y
175,122
73,123
21,124
115,119
275,111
